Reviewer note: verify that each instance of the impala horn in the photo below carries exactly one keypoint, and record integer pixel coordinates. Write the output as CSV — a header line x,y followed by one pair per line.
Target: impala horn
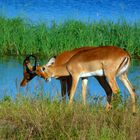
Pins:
x,y
28,66
29,70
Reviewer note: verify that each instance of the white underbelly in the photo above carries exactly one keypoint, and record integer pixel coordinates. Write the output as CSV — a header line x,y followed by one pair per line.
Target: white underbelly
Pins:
x,y
94,73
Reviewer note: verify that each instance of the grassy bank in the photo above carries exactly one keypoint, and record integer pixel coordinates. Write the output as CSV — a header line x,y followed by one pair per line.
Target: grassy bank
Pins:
x,y
19,37
39,118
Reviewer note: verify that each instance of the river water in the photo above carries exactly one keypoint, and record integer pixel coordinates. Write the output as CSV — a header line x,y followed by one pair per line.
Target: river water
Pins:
x,y
11,74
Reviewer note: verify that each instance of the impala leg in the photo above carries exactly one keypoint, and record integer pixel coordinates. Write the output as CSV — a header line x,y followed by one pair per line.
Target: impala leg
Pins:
x,y
129,82
103,82
63,89
129,87
69,84
112,83
84,89
115,89
73,88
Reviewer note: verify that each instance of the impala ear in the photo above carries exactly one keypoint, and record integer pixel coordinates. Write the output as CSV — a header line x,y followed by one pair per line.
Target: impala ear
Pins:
x,y
51,61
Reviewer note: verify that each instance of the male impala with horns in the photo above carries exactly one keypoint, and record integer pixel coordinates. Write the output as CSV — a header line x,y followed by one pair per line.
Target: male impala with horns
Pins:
x,y
102,62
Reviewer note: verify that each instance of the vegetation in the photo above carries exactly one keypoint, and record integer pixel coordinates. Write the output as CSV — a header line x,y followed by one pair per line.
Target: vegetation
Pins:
x,y
20,37
40,118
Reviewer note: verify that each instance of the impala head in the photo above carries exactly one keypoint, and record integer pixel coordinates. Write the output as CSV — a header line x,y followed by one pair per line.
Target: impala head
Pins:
x,y
45,70
29,70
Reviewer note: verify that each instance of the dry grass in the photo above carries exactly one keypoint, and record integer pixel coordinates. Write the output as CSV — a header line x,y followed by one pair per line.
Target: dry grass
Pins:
x,y
32,118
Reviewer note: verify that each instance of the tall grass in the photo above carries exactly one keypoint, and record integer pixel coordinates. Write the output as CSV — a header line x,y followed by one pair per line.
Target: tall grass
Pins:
x,y
39,118
20,37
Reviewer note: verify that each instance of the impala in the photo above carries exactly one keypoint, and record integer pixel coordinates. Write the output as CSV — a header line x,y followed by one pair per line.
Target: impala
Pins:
x,y
66,80
107,62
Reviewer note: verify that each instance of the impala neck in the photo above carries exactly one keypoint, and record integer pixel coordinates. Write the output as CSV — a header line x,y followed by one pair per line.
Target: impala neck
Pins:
x,y
58,71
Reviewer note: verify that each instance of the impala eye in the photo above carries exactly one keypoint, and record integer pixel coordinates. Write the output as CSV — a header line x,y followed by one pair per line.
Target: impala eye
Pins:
x,y
43,68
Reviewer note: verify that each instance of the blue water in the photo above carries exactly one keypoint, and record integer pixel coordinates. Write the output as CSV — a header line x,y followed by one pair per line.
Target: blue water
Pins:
x,y
11,70
60,10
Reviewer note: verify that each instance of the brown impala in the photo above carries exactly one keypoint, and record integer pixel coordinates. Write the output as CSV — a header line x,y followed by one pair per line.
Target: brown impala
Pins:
x,y
65,80
106,61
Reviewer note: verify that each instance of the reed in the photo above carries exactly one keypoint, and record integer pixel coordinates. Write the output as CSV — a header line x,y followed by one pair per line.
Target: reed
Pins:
x,y
22,37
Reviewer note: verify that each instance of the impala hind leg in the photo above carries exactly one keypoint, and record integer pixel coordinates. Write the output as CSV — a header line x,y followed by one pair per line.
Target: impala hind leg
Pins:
x,y
75,80
115,89
103,82
129,87
113,83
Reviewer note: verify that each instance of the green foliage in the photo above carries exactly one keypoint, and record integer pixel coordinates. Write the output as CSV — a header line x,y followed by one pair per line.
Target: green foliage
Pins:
x,y
19,37
40,118
6,98
117,99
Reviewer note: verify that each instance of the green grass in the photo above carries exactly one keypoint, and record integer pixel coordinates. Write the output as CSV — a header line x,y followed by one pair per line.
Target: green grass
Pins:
x,y
40,118
21,37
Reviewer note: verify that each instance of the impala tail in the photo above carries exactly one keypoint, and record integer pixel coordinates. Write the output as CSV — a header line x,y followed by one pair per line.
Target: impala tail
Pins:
x,y
123,67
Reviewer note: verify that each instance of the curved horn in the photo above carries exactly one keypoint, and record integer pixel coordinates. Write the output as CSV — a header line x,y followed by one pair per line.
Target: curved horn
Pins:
x,y
36,62
29,68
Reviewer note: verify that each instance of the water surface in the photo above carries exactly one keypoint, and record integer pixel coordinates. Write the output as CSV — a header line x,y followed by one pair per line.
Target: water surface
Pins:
x,y
11,70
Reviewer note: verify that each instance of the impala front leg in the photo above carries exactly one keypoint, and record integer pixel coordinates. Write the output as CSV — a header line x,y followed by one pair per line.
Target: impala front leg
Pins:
x,y
84,89
73,88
